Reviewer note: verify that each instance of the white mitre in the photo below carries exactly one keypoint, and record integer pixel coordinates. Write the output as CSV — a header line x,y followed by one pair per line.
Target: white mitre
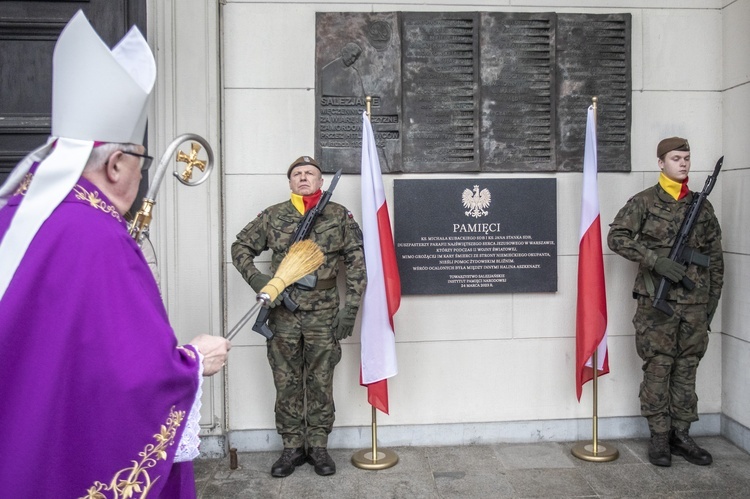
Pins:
x,y
98,95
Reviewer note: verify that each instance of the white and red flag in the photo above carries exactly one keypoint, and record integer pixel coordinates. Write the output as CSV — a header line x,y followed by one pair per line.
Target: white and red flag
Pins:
x,y
383,293
591,316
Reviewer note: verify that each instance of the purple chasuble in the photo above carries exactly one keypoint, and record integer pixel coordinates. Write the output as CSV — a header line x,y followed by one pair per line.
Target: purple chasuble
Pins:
x,y
95,390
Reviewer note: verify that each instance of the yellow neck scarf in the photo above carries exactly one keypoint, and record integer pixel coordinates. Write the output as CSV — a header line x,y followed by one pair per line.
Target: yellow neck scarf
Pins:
x,y
677,190
304,203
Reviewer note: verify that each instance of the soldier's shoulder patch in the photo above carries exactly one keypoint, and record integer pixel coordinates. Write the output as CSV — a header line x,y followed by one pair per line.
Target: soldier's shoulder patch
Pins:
x,y
349,214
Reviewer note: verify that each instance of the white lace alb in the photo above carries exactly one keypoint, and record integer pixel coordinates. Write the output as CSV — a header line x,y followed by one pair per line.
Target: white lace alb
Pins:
x,y
190,441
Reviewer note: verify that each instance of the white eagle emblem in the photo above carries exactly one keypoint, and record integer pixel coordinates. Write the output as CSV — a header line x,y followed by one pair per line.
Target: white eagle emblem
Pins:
x,y
476,202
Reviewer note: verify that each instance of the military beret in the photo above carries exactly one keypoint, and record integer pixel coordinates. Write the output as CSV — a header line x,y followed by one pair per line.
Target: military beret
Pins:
x,y
672,144
302,160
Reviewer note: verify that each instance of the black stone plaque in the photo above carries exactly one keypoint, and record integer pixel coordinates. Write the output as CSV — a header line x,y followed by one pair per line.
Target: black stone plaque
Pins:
x,y
476,235
518,92
357,55
593,59
440,91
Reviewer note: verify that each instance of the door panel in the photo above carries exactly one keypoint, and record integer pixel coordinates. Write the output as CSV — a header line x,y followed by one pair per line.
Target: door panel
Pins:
x,y
28,32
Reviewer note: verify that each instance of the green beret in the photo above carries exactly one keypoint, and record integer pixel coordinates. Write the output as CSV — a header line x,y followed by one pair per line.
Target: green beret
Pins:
x,y
302,160
672,144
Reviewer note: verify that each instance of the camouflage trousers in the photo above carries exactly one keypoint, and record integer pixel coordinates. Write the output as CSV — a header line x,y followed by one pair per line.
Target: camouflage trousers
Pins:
x,y
303,354
671,348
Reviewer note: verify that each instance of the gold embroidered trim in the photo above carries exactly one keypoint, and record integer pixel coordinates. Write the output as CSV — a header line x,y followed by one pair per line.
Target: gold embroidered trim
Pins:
x,y
95,201
135,482
81,193
24,185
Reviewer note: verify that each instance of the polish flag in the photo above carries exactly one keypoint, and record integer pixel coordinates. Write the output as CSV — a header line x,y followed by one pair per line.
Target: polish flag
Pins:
x,y
591,317
383,293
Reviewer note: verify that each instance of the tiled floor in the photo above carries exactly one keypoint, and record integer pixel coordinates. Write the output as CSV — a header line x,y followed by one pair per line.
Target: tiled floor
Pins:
x,y
488,471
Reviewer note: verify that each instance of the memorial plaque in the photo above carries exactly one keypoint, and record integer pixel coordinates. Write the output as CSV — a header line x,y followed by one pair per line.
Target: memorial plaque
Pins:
x,y
472,92
440,91
593,59
476,235
518,92
357,55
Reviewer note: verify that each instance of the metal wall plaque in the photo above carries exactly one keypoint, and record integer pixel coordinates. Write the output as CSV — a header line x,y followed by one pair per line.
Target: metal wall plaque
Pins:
x,y
518,92
461,92
357,55
440,91
593,59
476,236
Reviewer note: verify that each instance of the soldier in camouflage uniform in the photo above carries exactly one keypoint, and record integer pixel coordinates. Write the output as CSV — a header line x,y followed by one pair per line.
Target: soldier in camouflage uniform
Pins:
x,y
305,349
644,231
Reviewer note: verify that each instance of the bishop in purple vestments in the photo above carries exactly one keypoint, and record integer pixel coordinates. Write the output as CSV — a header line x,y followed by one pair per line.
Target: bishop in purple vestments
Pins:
x,y
97,399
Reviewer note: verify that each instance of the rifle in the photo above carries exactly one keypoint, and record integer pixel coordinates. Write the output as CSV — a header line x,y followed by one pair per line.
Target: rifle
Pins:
x,y
681,252
308,282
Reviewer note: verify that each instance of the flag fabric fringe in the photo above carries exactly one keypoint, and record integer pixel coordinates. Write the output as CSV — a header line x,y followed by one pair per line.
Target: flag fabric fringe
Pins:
x,y
591,309
383,293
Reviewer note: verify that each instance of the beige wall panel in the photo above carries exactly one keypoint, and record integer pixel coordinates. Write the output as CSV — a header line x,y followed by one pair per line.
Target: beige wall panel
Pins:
x,y
735,301
245,196
469,381
268,45
620,275
708,385
693,115
735,186
481,381
736,146
429,318
265,130
736,18
553,315
736,402
679,50
549,315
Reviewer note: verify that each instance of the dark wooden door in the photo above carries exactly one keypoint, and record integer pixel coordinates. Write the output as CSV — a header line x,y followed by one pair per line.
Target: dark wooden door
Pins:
x,y
28,32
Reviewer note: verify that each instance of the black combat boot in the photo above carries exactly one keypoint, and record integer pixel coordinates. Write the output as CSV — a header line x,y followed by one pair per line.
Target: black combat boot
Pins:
x,y
322,462
290,458
681,444
658,450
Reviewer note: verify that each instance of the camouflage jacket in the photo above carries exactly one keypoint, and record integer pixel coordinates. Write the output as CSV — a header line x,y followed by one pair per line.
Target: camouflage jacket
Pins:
x,y
646,228
335,231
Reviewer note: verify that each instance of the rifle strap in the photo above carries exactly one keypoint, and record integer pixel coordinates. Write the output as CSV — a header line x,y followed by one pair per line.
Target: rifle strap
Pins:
x,y
648,281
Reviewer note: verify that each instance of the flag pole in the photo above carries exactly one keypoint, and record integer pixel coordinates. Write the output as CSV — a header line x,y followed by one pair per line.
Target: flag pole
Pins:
x,y
374,458
594,451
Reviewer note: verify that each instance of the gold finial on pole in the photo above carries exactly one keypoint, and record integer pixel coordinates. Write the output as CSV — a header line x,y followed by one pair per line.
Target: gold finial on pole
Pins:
x,y
594,102
593,451
368,107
